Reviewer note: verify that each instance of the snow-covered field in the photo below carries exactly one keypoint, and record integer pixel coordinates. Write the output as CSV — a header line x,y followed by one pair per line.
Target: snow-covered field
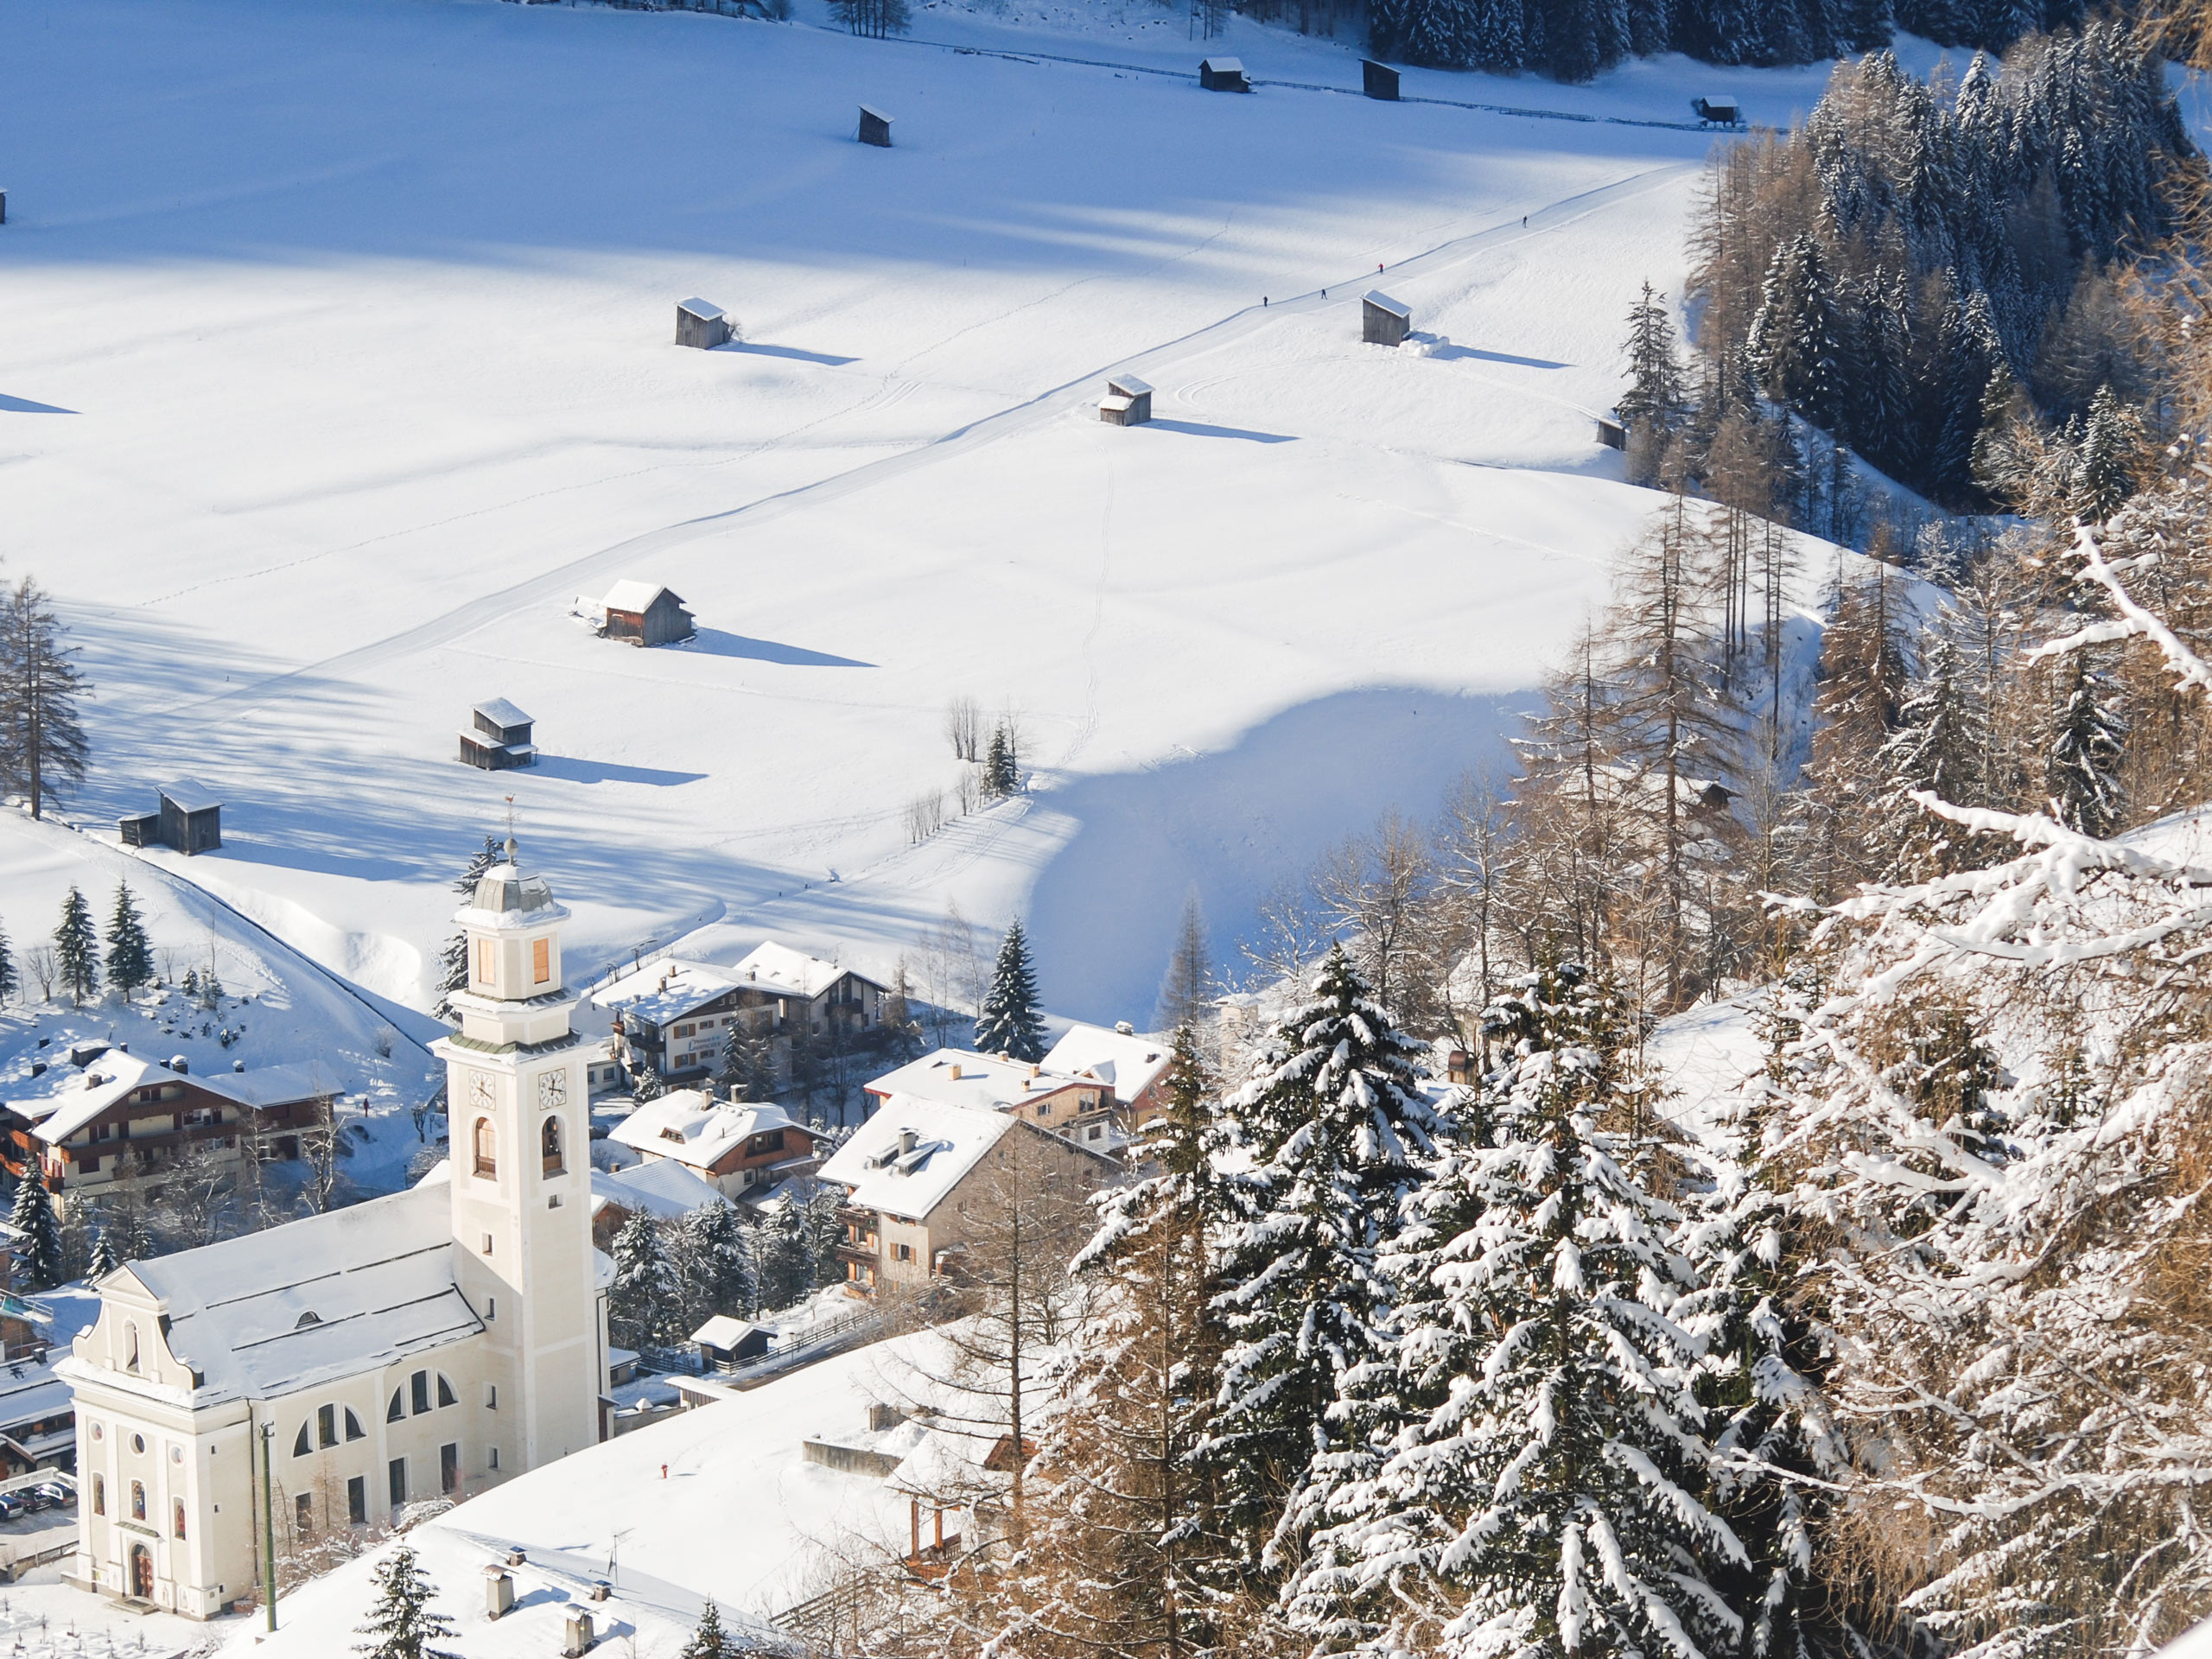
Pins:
x,y
340,365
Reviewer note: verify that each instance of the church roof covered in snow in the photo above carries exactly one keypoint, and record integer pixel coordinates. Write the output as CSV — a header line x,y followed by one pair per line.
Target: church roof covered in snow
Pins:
x,y
315,1300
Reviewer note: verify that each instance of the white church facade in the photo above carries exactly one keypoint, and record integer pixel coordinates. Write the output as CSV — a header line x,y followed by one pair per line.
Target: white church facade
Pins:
x,y
430,1343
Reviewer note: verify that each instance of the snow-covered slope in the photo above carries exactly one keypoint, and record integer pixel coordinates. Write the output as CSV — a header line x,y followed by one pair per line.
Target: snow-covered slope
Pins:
x,y
341,367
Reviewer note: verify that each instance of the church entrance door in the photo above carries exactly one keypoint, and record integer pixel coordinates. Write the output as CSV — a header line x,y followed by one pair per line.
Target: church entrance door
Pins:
x,y
141,1571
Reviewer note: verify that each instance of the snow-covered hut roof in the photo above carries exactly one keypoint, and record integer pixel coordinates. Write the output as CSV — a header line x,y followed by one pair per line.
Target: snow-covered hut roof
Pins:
x,y
190,795
631,594
869,109
1382,302
705,310
778,969
500,712
725,1332
1129,1062
668,989
1129,386
378,1277
908,1158
984,1083
691,1127
663,1188
1222,66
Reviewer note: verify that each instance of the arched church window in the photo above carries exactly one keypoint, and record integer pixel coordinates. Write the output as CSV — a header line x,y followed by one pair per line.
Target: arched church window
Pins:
x,y
129,1347
353,1429
304,1443
550,1143
177,1526
446,1395
137,1500
487,1147
398,1408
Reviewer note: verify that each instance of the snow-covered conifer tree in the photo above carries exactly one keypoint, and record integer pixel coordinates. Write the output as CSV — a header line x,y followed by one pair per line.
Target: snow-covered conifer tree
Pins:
x,y
10,978
38,1234
2084,752
1331,1131
1654,370
2105,465
103,1260
718,1263
644,1294
1008,1022
1795,344
453,959
748,1063
77,949
1544,1497
130,953
708,1641
1940,746
401,1624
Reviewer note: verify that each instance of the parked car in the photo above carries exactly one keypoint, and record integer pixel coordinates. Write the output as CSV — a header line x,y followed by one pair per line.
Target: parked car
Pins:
x,y
12,1505
32,1498
56,1495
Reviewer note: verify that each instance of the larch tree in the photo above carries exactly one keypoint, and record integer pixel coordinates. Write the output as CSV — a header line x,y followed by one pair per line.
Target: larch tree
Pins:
x,y
130,953
1547,1503
1329,1136
401,1623
43,742
77,949
1186,991
1008,1022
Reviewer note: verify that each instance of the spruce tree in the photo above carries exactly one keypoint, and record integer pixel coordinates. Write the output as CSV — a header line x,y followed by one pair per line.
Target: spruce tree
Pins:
x,y
1002,766
748,1063
1795,344
1655,396
103,1260
452,959
10,978
401,1624
708,1641
130,953
643,1299
77,949
1940,748
1548,1495
2085,750
42,740
38,1234
2105,465
718,1263
1330,1135
1008,1022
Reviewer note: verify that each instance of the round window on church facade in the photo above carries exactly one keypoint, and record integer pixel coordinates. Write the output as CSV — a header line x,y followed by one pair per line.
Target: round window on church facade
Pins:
x,y
138,1444
98,1432
176,1454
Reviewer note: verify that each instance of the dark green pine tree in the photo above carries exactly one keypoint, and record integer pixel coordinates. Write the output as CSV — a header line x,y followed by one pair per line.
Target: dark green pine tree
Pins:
x,y
2104,467
1008,1022
130,953
401,1624
103,1260
38,1235
641,1302
1002,766
10,981
1796,345
748,1064
1655,368
708,1641
452,959
1329,1136
77,949
2086,739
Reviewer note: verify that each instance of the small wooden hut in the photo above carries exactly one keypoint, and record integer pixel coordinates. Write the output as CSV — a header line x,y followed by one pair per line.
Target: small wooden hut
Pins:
x,y
1128,402
192,816
1378,80
1718,111
875,128
645,613
1224,75
702,323
1383,320
498,737
1612,432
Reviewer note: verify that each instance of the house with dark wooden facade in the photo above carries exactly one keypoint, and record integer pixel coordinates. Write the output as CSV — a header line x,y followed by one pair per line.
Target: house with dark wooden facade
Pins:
x,y
875,128
125,1117
188,819
1224,75
675,1016
643,613
1128,402
1383,320
498,737
1378,80
741,1149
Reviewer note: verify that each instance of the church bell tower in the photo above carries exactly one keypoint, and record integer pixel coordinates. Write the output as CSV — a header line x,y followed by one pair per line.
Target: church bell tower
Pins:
x,y
520,1149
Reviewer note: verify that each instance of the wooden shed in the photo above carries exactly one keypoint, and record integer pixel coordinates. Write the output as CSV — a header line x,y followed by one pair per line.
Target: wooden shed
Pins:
x,y
498,737
192,816
644,614
1718,111
1224,75
1383,320
701,324
1128,402
1612,432
875,128
1378,80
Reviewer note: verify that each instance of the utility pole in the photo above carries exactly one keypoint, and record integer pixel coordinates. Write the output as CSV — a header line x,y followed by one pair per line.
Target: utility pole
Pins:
x,y
267,1525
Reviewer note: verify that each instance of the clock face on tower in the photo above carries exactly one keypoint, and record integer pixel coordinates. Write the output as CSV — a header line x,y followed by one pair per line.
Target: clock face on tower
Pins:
x,y
553,1090
480,1090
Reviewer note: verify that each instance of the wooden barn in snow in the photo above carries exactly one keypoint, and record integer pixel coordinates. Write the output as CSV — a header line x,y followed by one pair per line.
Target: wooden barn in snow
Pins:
x,y
189,817
645,613
498,737
1128,402
1383,320
702,323
1378,80
1224,75
875,128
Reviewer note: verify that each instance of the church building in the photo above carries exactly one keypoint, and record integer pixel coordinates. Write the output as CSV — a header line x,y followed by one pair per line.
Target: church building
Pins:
x,y
430,1343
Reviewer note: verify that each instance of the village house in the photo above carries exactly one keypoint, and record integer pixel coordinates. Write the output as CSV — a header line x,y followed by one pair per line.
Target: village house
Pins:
x,y
921,1177
1135,1066
736,1148
432,1342
660,1187
675,1015
1081,1108
123,1116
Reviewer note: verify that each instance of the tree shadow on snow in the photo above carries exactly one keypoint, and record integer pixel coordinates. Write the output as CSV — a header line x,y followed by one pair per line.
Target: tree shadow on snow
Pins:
x,y
716,643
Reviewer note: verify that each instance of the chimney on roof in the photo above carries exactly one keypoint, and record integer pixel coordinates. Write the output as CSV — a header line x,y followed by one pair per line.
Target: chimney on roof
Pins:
x,y
906,1138
955,1073
499,1590
1035,1070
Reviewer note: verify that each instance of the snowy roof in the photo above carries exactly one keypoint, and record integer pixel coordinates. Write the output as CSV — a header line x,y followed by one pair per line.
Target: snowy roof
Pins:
x,y
84,1095
191,795
885,1172
691,1127
272,1085
777,968
705,310
631,594
378,1277
661,1187
878,114
500,712
669,989
1222,66
1382,302
723,1332
1131,1063
986,1083
505,897
1129,386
